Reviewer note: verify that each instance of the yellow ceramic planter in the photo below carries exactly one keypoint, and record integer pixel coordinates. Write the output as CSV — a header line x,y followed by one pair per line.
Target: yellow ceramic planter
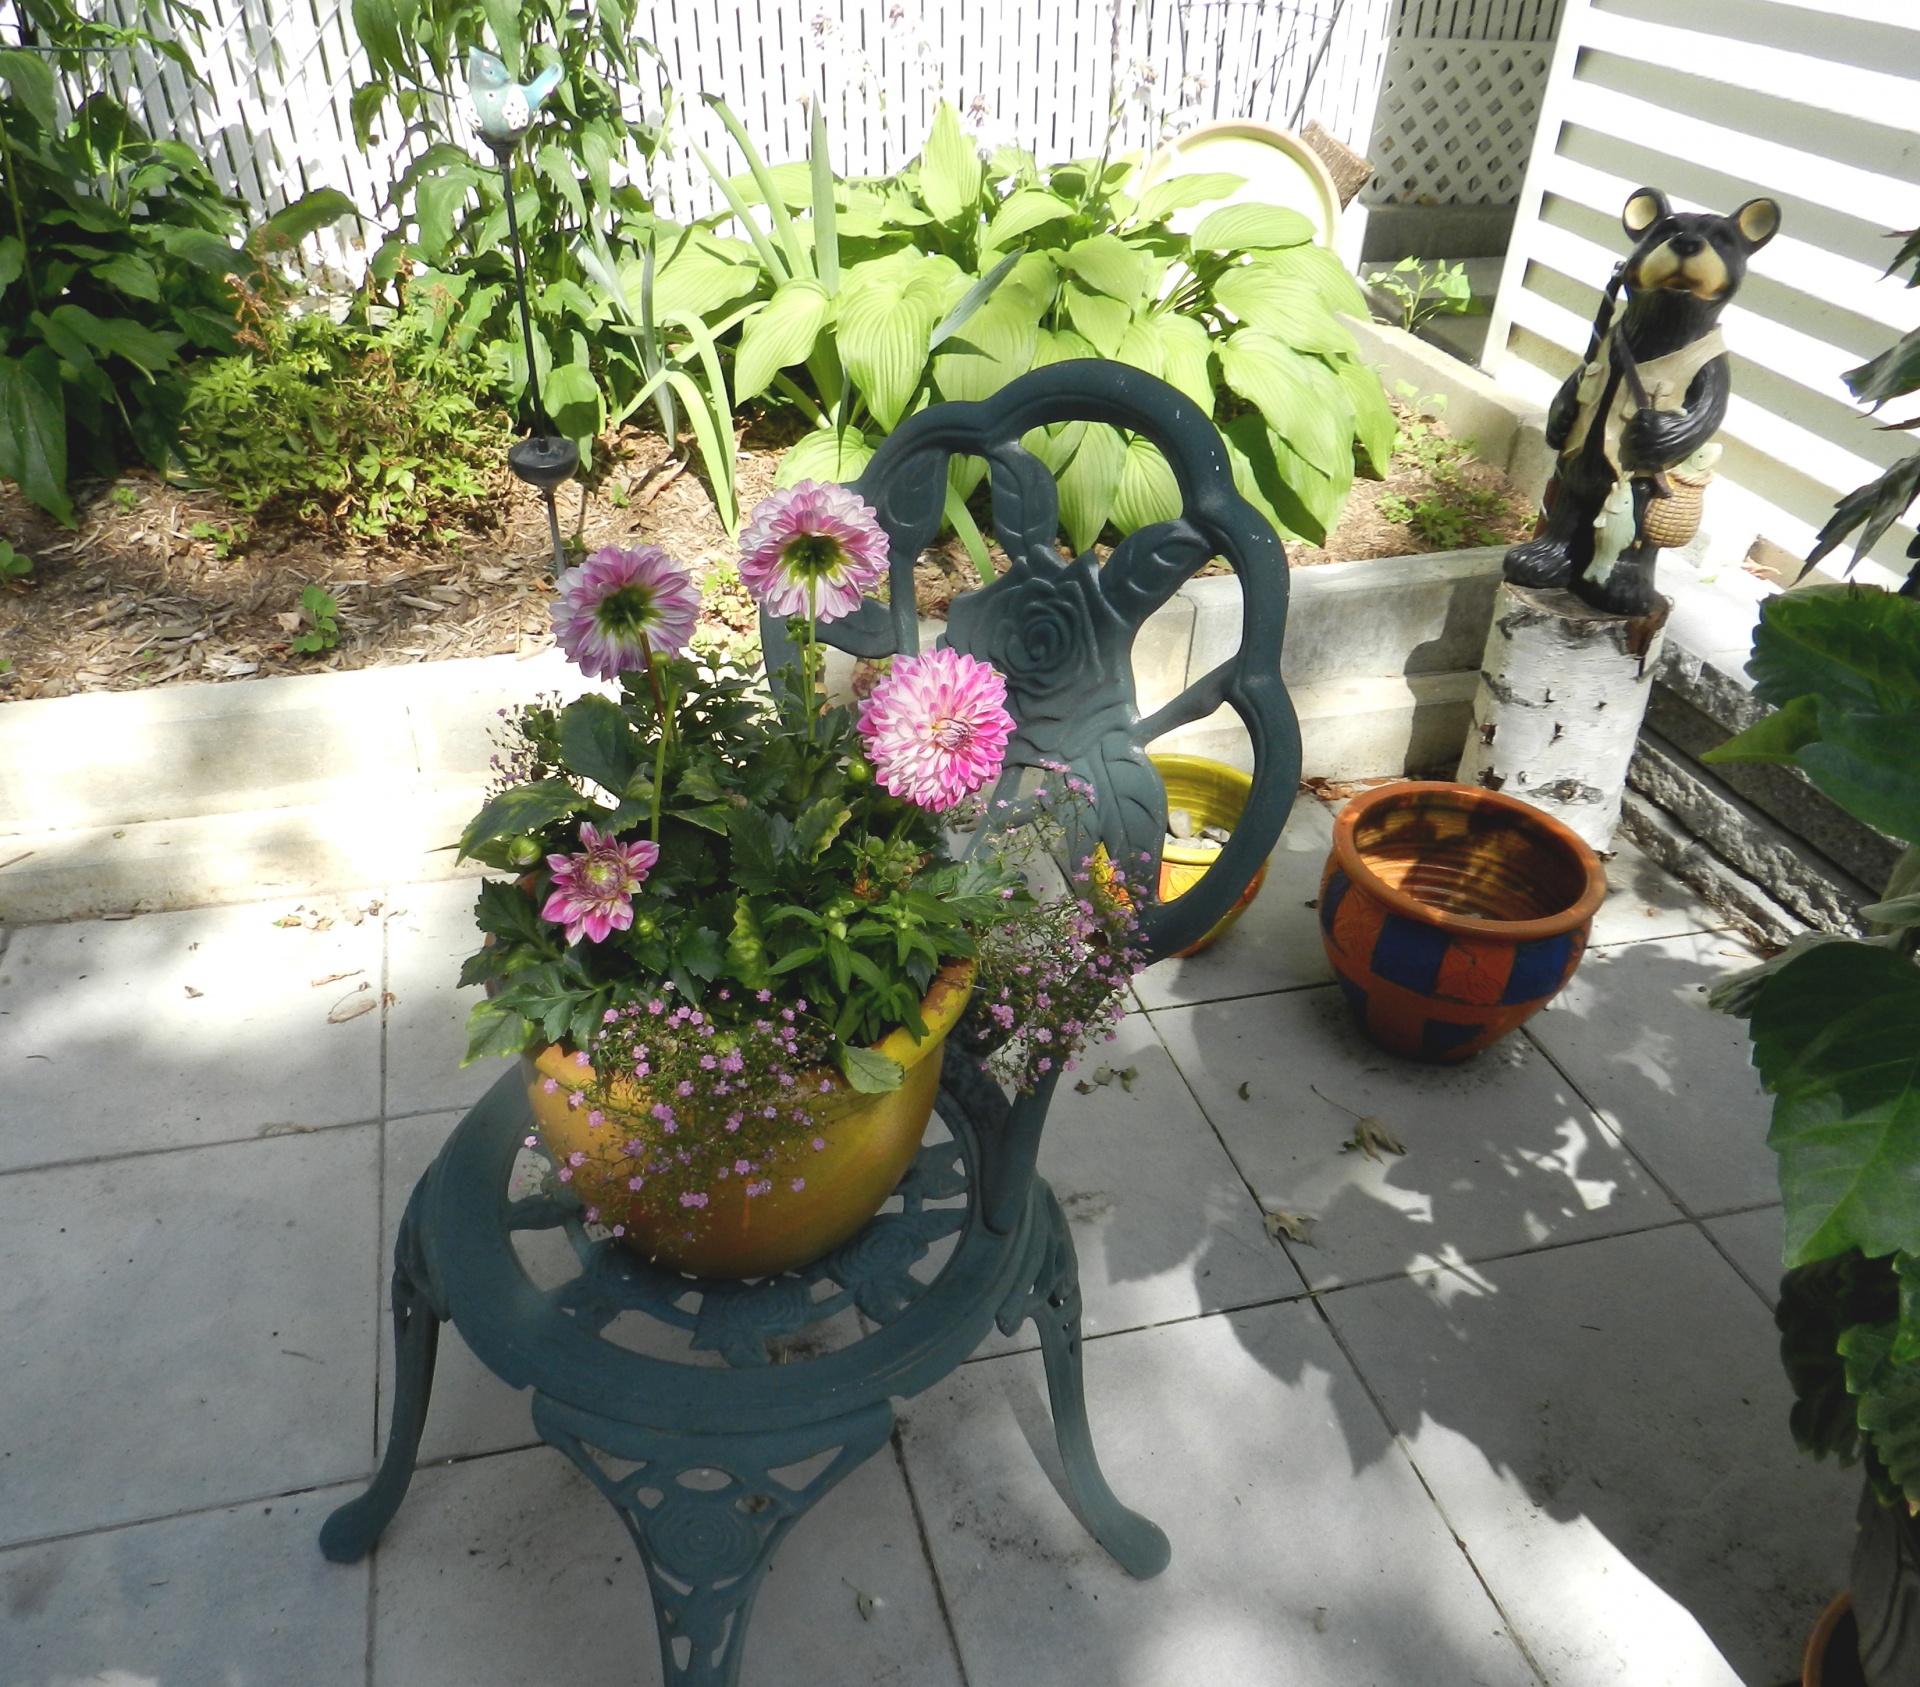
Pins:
x,y
871,1140
1215,795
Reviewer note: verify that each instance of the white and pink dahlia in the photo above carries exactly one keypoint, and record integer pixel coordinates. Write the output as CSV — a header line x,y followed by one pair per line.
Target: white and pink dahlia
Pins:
x,y
619,604
936,727
814,547
593,892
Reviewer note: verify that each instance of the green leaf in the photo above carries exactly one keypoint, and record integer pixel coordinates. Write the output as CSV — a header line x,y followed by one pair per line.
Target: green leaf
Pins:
x,y
1290,391
572,398
13,260
1855,646
747,948
1373,418
197,247
1870,765
1108,265
950,168
503,18
1777,738
1178,193
597,742
1836,1035
1023,211
757,846
1889,1400
130,274
1240,228
521,809
496,1029
869,1071
378,27
506,912
1288,307
887,311
1872,508
119,336
1323,271
1061,345
306,215
1899,913
780,335
1895,371
1818,1304
839,455
29,78
33,430
1089,481
819,824
1147,491
1257,474
1103,320
702,953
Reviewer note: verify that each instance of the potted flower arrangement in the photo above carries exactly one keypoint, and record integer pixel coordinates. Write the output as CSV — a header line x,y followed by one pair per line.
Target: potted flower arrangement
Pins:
x,y
737,938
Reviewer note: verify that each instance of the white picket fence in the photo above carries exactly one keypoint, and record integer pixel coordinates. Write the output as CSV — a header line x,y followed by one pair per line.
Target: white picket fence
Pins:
x,y
274,121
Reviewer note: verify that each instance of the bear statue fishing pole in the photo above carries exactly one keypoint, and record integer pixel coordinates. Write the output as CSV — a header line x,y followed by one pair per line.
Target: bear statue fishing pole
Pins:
x,y
1577,625
1632,428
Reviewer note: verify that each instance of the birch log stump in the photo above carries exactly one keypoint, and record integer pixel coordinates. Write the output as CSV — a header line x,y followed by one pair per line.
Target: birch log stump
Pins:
x,y
1563,689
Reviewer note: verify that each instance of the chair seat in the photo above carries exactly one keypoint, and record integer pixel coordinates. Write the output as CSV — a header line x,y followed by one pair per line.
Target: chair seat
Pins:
x,y
917,1327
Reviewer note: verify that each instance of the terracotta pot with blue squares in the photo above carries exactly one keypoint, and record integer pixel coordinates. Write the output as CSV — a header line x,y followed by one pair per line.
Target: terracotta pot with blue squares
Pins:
x,y
1452,914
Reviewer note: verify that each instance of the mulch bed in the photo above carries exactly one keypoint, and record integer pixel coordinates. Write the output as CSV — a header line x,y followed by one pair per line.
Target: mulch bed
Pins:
x,y
134,599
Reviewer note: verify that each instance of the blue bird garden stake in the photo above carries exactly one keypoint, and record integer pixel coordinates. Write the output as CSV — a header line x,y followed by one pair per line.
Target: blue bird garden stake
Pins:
x,y
505,111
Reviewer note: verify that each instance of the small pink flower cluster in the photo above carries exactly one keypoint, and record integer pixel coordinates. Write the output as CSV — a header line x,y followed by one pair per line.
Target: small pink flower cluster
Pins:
x,y
725,1098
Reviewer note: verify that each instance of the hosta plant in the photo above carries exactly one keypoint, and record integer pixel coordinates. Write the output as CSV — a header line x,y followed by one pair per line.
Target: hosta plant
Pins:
x,y
724,893
963,272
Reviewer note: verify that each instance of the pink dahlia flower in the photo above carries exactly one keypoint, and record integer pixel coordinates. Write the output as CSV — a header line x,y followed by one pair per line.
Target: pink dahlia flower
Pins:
x,y
936,727
593,893
812,540
617,605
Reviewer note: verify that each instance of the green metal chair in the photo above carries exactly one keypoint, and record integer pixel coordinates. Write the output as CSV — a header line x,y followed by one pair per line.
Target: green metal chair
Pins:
x,y
693,1455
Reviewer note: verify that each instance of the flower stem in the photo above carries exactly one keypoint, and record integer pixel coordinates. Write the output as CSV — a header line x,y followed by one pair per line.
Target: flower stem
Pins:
x,y
664,711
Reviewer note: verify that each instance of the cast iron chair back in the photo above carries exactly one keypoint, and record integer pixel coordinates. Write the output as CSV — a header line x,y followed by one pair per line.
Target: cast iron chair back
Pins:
x,y
1062,632
707,1490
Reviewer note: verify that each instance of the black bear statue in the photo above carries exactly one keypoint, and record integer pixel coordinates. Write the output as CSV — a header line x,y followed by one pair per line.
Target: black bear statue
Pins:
x,y
1632,428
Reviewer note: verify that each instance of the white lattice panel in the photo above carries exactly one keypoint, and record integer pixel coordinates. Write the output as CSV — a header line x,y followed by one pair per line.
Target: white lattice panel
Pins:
x,y
1456,121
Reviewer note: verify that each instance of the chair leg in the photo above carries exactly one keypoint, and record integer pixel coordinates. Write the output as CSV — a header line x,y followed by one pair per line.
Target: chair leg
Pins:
x,y
1140,1546
348,1535
707,1514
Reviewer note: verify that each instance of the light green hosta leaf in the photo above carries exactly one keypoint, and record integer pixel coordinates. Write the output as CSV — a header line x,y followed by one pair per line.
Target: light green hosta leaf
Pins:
x,y
1289,308
700,274
1239,228
840,455
1141,346
1373,419
1022,212
1292,393
888,308
1836,1035
1089,481
1108,265
1059,345
1180,192
1321,270
950,168
1777,738
792,182
1147,491
1102,320
780,335
1180,351
1256,457
994,345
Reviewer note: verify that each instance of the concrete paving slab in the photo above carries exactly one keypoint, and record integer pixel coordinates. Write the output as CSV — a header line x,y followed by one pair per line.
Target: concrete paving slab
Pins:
x,y
1754,1241
1303,1547
472,1411
186,1330
1162,1222
1502,1154
1670,1075
1605,1427
172,1029
513,1571
430,934
1644,900
240,1597
1276,943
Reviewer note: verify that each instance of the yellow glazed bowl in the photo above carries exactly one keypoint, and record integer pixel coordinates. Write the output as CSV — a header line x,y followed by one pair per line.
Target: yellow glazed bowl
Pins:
x,y
1214,794
871,1140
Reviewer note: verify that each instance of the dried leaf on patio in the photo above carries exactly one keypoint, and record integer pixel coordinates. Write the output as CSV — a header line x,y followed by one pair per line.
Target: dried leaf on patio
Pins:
x,y
1293,1226
1372,1138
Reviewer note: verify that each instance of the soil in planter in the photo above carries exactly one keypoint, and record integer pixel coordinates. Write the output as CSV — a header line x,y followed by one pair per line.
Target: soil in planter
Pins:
x,y
150,590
